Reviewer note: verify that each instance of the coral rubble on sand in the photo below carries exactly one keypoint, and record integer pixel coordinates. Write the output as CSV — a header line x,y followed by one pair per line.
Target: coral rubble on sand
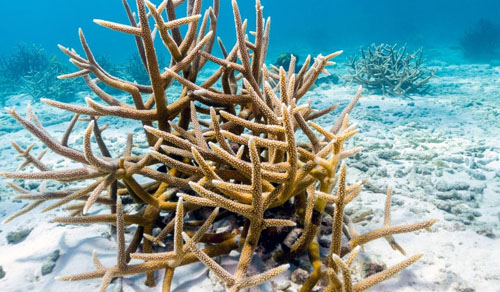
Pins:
x,y
241,166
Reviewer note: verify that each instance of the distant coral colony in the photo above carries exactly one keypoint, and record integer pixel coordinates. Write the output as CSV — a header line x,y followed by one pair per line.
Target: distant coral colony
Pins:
x,y
223,153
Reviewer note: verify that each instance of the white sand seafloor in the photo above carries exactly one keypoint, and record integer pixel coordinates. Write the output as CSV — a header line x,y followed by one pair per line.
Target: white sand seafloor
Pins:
x,y
439,152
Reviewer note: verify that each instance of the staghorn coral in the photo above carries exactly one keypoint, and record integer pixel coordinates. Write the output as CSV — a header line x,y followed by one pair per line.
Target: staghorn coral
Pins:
x,y
389,70
31,70
245,163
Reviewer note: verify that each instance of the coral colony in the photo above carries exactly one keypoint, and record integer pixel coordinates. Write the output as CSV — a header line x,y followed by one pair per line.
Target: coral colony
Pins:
x,y
30,70
389,70
241,167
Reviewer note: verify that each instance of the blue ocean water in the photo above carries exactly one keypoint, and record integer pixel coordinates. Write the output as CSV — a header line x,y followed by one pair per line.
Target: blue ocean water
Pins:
x,y
323,25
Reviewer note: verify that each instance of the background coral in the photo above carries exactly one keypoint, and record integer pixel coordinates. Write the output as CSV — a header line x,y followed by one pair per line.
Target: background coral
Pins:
x,y
30,70
284,60
482,42
390,70
223,154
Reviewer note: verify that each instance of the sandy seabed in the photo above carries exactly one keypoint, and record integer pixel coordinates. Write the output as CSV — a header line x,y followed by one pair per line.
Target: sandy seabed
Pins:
x,y
440,153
